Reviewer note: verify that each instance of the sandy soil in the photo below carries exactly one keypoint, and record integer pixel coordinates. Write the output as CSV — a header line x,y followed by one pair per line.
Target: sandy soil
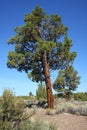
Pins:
x,y
64,121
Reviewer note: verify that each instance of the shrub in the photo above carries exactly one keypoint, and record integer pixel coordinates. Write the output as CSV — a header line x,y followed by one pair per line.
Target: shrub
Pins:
x,y
36,125
83,110
41,92
11,110
80,96
73,107
30,111
51,111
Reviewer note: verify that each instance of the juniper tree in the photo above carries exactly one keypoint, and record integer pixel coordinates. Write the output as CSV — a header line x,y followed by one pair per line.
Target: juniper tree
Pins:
x,y
41,45
41,92
67,81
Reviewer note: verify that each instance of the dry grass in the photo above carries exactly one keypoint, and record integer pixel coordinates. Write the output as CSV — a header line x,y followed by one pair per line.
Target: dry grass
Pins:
x,y
70,115
72,107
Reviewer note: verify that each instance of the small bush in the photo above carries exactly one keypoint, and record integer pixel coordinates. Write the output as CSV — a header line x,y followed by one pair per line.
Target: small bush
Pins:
x,y
36,125
73,107
30,111
69,107
11,110
60,110
51,112
83,110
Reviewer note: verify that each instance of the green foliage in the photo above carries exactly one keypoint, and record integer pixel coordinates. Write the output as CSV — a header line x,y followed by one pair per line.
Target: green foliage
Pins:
x,y
11,110
30,94
67,81
40,32
41,92
80,96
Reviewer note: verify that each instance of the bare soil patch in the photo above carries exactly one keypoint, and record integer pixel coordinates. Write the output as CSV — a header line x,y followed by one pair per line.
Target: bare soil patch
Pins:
x,y
63,121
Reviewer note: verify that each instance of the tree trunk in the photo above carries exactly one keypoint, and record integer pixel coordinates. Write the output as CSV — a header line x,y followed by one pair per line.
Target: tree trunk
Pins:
x,y
50,98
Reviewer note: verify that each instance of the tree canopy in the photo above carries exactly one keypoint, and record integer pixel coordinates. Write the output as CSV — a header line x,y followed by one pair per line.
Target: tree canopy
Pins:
x,y
40,32
41,45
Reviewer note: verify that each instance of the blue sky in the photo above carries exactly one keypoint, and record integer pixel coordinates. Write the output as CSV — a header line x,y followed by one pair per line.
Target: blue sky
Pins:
x,y
74,16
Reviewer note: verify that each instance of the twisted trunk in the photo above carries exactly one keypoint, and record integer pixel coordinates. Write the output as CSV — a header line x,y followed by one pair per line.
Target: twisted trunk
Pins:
x,y
50,98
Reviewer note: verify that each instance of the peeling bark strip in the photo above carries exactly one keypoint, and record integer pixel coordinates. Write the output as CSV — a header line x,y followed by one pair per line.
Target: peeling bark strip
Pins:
x,y
50,98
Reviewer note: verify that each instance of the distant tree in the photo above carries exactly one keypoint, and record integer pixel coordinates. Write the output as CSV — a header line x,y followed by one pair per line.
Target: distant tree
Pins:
x,y
41,92
67,81
41,45
30,93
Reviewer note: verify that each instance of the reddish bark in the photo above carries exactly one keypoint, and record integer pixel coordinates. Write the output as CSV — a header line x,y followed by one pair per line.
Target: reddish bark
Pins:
x,y
50,98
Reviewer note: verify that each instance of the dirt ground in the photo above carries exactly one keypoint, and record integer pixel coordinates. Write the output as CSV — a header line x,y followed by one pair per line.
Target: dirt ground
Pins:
x,y
64,121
